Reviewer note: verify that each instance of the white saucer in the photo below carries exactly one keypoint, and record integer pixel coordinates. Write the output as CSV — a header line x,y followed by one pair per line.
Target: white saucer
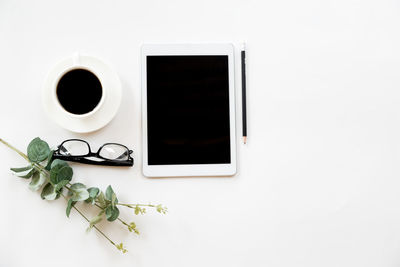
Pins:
x,y
100,116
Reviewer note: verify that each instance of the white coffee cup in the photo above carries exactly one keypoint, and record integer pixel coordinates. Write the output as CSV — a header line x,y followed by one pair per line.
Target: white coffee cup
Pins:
x,y
106,107
77,65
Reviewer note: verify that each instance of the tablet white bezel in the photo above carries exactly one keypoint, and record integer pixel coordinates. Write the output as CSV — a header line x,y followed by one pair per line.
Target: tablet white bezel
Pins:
x,y
198,169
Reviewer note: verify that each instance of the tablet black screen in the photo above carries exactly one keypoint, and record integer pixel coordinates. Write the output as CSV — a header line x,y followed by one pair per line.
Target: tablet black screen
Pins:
x,y
188,110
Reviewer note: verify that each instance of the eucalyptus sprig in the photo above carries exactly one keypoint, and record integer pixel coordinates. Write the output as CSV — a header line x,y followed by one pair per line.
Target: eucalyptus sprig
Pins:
x,y
53,176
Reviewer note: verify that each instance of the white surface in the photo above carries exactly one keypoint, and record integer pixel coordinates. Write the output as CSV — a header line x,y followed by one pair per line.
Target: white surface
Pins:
x,y
194,169
102,114
318,183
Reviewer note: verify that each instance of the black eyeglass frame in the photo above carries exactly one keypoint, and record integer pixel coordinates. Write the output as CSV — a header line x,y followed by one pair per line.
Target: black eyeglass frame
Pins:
x,y
83,158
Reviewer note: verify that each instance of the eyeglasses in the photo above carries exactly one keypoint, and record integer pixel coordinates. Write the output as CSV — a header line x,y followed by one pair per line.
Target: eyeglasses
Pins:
x,y
109,154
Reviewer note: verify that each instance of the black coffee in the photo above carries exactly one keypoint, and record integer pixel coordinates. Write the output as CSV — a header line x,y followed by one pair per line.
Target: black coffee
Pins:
x,y
79,91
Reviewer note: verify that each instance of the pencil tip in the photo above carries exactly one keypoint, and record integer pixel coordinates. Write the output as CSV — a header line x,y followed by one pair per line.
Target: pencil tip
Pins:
x,y
245,139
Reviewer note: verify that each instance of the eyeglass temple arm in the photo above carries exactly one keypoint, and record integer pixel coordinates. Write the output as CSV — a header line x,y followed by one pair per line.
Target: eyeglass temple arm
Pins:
x,y
92,162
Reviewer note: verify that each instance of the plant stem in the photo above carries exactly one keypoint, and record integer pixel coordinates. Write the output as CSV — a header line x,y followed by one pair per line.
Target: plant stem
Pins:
x,y
123,222
140,205
15,149
132,206
43,170
95,227
98,206
37,165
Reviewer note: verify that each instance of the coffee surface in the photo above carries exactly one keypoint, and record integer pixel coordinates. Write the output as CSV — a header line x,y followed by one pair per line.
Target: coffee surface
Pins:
x,y
79,91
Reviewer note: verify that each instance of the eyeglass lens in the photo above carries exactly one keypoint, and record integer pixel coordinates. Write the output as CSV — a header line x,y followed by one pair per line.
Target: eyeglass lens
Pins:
x,y
114,152
74,148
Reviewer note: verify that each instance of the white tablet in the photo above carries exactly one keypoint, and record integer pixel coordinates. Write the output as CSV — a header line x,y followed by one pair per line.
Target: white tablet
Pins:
x,y
188,109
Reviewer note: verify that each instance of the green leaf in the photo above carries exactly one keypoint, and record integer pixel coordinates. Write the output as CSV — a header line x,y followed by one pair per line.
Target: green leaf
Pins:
x,y
77,186
38,150
60,162
21,169
110,196
61,185
102,200
70,204
60,172
27,175
93,192
49,192
109,192
65,173
38,180
74,187
95,220
49,161
112,213
78,192
114,200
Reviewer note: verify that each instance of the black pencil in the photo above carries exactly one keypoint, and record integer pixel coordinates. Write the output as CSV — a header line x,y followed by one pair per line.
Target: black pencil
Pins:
x,y
244,115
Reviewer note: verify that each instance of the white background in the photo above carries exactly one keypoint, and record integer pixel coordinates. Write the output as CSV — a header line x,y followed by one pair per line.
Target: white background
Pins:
x,y
318,183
